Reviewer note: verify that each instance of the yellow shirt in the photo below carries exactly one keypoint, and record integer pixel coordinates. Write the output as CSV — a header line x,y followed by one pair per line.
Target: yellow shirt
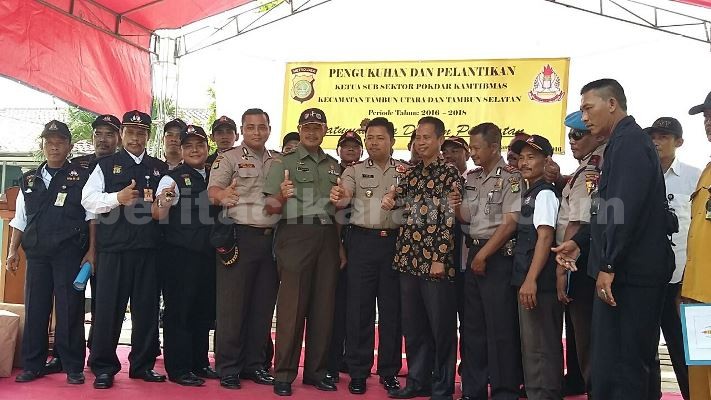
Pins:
x,y
697,276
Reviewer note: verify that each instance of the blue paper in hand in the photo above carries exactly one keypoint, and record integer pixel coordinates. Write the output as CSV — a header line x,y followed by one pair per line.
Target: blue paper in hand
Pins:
x,y
82,277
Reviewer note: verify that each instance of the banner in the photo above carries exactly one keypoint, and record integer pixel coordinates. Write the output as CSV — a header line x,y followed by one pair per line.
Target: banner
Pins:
x,y
518,95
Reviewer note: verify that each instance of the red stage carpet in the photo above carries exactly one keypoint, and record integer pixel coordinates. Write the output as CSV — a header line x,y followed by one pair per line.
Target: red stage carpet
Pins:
x,y
55,387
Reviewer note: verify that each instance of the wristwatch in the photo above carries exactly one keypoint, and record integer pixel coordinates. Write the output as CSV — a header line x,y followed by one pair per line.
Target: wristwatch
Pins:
x,y
608,268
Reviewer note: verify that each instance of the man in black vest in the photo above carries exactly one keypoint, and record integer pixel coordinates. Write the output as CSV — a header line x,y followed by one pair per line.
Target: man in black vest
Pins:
x,y
184,209
540,312
106,139
51,225
121,188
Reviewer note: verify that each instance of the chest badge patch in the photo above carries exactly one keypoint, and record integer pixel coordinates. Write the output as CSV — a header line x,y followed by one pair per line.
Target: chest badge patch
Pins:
x,y
117,169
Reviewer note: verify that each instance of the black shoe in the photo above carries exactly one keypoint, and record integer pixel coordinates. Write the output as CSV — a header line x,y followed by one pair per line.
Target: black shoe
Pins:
x,y
324,384
410,392
333,376
188,379
230,382
390,383
282,388
206,373
75,378
357,386
260,377
148,376
27,376
103,381
53,366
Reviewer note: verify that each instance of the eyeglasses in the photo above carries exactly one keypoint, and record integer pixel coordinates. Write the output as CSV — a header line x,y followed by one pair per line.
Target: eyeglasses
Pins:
x,y
576,135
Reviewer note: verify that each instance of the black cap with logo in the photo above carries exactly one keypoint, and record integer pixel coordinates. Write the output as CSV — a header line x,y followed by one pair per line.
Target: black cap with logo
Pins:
x,y
55,127
352,136
538,142
666,125
455,141
289,137
136,118
224,121
706,105
312,116
175,123
106,120
192,130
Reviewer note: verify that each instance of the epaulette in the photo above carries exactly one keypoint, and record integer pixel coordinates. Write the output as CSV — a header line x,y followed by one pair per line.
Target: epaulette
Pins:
x,y
216,163
286,153
510,169
475,169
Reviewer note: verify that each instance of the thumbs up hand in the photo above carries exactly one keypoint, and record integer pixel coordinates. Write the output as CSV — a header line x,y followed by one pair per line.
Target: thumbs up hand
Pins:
x,y
287,186
230,195
128,195
388,202
551,170
455,196
168,193
338,193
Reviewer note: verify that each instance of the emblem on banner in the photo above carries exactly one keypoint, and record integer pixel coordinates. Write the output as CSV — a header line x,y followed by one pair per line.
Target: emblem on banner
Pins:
x,y
302,83
546,87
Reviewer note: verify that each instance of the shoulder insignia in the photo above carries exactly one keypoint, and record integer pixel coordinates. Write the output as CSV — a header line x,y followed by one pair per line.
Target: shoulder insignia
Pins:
x,y
216,163
475,169
594,160
510,169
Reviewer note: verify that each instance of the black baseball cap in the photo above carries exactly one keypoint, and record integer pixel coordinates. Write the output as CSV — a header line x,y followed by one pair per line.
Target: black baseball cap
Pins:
x,y
706,105
55,127
289,137
455,141
175,123
224,121
350,135
106,120
538,142
192,130
666,125
312,115
136,118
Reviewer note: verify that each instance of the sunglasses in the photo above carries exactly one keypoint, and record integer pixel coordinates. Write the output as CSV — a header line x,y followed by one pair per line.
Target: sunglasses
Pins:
x,y
576,134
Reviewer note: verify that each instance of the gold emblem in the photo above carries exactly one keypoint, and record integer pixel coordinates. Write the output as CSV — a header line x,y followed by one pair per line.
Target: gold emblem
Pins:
x,y
368,193
302,83
117,169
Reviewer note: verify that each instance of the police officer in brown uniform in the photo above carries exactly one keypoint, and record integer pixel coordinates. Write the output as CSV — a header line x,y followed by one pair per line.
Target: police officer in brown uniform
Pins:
x,y
490,204
371,248
247,288
307,253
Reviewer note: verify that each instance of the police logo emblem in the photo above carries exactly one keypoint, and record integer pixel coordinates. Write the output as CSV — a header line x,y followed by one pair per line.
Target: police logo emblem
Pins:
x,y
156,172
187,181
107,118
302,83
73,175
117,169
136,118
368,193
400,169
546,87
53,127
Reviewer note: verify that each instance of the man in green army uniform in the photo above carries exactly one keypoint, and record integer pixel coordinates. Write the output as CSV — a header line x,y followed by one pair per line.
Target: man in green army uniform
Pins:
x,y
299,185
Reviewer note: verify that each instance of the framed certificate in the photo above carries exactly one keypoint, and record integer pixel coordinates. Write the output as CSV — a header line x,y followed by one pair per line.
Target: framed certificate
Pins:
x,y
696,326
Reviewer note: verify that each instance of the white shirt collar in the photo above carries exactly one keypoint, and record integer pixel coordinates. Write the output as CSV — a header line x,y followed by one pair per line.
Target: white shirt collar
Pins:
x,y
675,167
201,172
138,159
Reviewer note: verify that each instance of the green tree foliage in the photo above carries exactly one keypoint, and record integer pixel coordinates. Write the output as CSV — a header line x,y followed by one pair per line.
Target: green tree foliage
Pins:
x,y
79,122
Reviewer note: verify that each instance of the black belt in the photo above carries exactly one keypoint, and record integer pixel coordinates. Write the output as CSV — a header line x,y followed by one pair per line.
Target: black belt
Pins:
x,y
310,220
506,249
255,230
471,242
375,232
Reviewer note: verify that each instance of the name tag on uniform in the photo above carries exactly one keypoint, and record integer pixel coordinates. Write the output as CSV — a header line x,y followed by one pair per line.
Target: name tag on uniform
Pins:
x,y
61,197
368,176
148,195
248,165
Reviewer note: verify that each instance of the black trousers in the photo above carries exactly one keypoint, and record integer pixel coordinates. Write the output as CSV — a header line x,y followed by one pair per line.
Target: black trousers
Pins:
x,y
579,311
429,323
671,328
624,343
337,349
490,331
246,293
48,276
188,282
371,277
130,274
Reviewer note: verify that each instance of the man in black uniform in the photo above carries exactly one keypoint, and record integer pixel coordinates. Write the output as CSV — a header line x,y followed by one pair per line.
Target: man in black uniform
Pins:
x,y
51,225
224,134
183,207
172,131
106,139
122,188
630,255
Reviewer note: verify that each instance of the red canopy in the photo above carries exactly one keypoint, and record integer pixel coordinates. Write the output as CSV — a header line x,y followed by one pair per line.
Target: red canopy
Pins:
x,y
92,53
701,3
